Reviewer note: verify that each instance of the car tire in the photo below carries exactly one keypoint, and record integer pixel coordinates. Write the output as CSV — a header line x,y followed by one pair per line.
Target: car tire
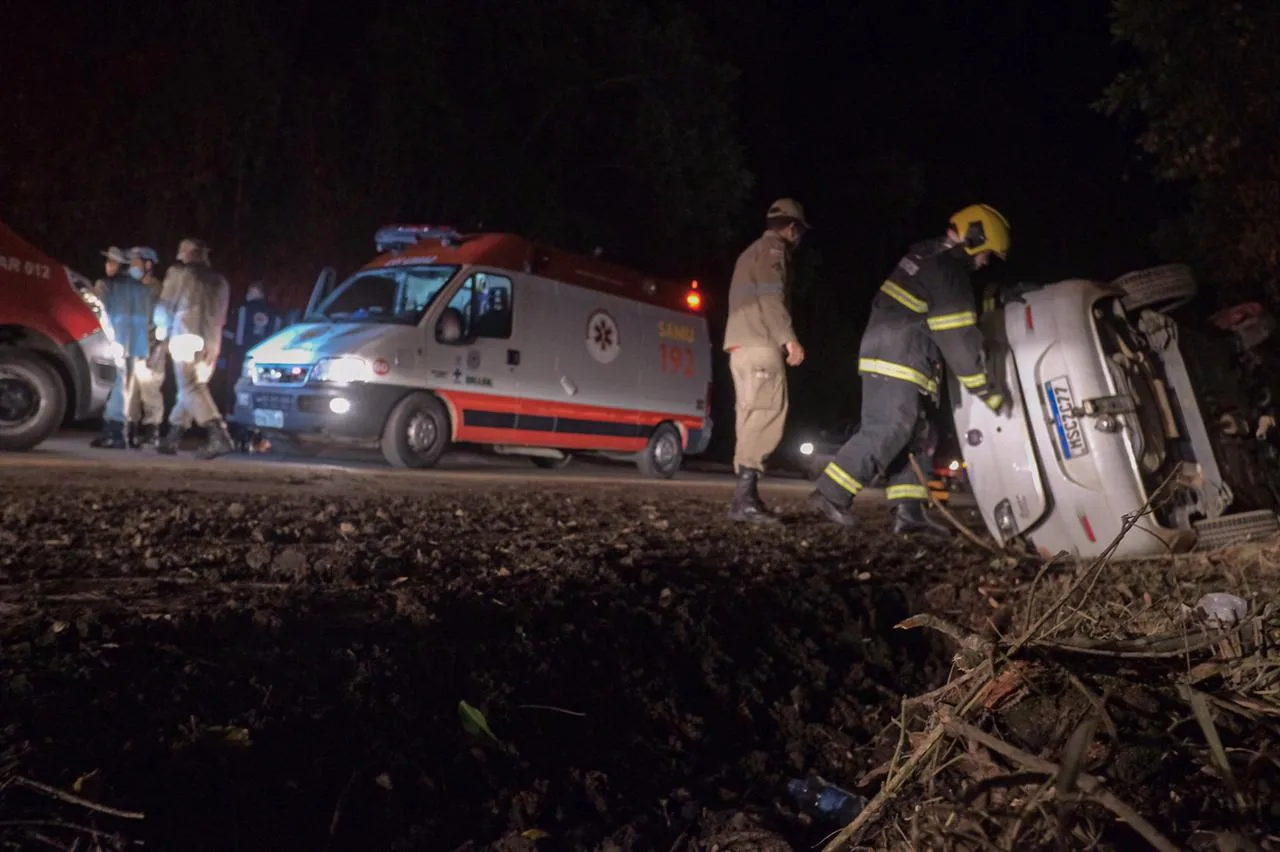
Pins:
x,y
547,463
417,432
664,455
1160,288
33,400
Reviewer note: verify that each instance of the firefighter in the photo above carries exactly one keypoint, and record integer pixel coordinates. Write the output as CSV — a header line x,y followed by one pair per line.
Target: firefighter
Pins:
x,y
128,304
146,399
190,318
923,314
757,335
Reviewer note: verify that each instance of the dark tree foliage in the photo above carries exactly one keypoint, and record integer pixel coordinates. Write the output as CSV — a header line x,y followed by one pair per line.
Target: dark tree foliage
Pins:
x,y
1205,88
285,136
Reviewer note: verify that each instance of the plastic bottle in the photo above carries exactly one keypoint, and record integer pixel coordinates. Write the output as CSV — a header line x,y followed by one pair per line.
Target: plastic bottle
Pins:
x,y
826,801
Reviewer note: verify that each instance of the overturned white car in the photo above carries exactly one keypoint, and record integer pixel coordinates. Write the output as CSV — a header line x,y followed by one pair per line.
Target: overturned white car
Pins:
x,y
1108,398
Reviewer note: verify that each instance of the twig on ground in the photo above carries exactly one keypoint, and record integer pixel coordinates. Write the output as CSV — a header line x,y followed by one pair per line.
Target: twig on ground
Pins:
x,y
72,798
552,709
1087,783
887,792
337,808
52,823
1090,574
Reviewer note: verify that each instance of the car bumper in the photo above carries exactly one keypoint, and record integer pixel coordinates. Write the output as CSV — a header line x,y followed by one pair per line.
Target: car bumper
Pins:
x,y
93,373
306,413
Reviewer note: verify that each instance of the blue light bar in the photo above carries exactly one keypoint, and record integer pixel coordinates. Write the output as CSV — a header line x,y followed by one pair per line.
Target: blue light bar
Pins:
x,y
397,237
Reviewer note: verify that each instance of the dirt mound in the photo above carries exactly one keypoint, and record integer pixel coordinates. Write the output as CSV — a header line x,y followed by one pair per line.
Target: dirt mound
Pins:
x,y
501,671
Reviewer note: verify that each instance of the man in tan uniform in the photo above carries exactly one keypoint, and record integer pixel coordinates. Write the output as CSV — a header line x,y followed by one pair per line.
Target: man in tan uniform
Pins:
x,y
190,317
756,337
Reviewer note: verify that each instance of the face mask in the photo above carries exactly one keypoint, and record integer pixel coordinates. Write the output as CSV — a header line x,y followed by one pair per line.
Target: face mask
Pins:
x,y
135,273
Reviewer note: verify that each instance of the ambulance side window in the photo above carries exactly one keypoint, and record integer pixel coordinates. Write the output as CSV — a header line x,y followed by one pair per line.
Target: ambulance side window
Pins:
x,y
486,302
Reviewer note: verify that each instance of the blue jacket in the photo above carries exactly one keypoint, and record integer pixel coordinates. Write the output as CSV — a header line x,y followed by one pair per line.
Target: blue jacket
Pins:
x,y
129,304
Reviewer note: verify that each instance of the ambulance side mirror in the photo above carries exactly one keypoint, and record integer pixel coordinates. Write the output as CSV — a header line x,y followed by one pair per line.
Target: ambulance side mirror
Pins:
x,y
449,327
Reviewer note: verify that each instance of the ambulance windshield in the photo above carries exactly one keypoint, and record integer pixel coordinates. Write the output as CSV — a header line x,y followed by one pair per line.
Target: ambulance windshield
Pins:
x,y
400,295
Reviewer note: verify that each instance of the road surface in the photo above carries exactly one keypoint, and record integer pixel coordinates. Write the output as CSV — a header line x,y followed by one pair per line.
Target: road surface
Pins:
x,y
67,459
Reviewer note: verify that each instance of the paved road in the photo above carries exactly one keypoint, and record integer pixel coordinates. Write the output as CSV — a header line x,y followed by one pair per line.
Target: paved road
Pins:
x,y
67,459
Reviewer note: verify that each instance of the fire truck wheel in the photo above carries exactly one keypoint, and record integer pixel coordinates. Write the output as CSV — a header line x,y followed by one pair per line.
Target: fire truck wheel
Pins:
x,y
662,458
32,400
417,432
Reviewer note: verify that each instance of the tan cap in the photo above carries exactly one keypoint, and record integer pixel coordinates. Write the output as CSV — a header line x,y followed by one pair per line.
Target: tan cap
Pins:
x,y
116,254
192,244
790,208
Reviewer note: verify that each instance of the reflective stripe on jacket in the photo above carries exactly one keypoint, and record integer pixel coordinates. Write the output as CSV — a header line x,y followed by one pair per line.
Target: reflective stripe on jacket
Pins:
x,y
922,315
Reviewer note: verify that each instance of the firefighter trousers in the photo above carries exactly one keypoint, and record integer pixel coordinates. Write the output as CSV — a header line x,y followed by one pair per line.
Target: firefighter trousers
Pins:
x,y
760,399
194,403
894,424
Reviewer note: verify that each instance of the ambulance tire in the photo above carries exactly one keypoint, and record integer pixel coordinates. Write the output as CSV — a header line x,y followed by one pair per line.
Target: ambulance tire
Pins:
x,y
417,432
40,396
664,455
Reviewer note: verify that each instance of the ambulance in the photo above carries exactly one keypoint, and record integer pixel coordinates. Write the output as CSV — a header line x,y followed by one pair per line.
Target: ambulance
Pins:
x,y
492,340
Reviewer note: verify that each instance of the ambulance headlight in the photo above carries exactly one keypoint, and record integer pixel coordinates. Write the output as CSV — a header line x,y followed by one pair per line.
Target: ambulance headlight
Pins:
x,y
342,370
806,449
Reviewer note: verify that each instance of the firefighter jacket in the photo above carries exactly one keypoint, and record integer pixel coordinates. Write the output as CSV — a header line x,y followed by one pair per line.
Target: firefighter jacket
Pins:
x,y
194,300
922,315
129,304
758,296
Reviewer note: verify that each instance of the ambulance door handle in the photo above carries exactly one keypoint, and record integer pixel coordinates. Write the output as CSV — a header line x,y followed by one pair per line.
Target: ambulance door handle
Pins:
x,y
513,357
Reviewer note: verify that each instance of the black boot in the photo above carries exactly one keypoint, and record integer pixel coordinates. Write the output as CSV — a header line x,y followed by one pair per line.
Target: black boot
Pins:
x,y
168,444
131,435
819,503
911,519
103,436
747,506
146,437
115,436
220,442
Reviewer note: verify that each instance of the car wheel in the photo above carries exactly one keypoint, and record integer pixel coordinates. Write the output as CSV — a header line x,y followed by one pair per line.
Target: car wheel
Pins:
x,y
417,432
664,455
33,400
547,463
1161,288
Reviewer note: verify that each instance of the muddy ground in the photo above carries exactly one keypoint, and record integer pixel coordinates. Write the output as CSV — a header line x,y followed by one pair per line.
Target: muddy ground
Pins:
x,y
278,663
283,670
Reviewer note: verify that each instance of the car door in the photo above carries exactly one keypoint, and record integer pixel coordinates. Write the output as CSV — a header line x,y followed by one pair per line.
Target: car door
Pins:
x,y
480,374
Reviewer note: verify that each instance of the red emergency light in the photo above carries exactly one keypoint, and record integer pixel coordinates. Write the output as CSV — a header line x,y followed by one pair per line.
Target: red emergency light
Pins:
x,y
693,299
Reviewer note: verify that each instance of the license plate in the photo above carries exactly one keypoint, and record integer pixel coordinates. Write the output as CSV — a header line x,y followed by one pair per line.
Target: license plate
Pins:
x,y
1062,404
268,419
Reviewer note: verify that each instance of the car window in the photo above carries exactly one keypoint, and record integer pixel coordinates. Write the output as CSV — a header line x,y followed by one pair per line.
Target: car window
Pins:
x,y
486,305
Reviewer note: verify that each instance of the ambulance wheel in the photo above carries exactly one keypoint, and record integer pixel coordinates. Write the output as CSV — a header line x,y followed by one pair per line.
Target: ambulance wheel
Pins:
x,y
662,458
548,463
33,400
417,432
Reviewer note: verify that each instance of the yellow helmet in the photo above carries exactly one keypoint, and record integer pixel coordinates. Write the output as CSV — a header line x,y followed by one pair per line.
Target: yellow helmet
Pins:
x,y
982,228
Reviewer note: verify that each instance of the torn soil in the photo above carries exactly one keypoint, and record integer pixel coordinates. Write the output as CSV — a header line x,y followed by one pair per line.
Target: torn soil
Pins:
x,y
283,671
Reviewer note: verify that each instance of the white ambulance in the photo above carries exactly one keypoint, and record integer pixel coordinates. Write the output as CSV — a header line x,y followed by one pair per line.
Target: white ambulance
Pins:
x,y
488,339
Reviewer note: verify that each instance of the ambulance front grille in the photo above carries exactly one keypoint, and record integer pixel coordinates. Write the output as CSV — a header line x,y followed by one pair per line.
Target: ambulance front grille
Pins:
x,y
281,375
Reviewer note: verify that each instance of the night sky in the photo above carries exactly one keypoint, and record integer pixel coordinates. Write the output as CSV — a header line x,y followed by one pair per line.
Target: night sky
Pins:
x,y
881,118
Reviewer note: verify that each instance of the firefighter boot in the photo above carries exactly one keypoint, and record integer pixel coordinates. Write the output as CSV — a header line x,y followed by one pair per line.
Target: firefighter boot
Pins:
x,y
819,503
116,437
131,435
911,519
220,441
747,506
168,445
146,437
